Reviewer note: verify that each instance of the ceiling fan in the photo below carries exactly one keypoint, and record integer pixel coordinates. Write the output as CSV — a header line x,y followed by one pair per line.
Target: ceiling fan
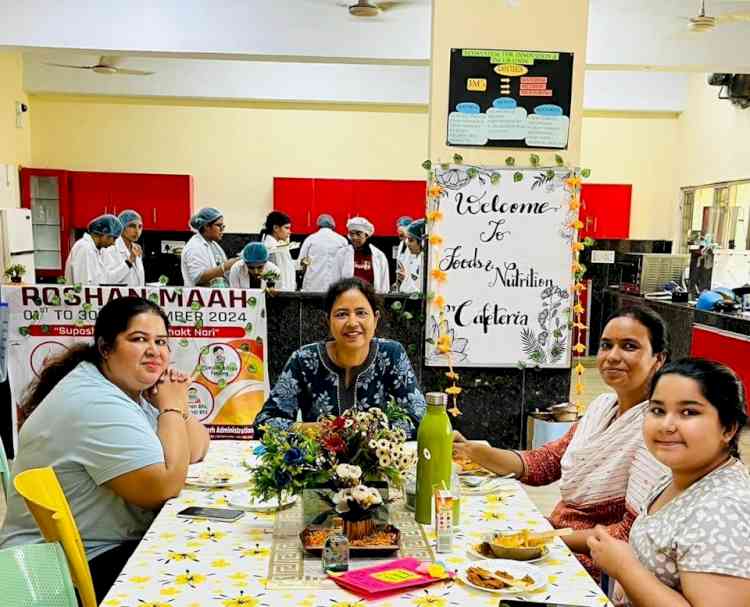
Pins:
x,y
107,64
705,23
370,8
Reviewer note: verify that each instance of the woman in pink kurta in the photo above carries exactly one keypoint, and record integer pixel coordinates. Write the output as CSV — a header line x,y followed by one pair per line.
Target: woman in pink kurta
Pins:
x,y
604,468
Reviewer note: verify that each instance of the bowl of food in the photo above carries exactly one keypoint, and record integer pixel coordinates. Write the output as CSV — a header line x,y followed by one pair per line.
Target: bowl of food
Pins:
x,y
522,545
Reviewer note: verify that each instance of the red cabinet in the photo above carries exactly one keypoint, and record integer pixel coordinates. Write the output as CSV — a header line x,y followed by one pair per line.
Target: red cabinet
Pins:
x,y
731,349
164,201
605,210
382,201
46,193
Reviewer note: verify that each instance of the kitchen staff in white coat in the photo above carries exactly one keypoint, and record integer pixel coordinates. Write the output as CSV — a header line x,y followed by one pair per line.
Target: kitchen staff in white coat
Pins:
x,y
275,235
204,262
253,270
318,254
401,224
85,263
124,260
362,259
409,268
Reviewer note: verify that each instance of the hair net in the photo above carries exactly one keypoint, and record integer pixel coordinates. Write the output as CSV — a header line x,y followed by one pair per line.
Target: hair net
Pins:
x,y
403,221
326,221
255,253
129,216
106,225
416,229
203,217
361,224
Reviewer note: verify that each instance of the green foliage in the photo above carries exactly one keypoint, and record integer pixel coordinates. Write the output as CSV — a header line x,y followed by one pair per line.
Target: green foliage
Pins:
x,y
458,159
495,178
510,161
586,173
559,160
517,176
15,270
163,280
534,160
471,172
427,165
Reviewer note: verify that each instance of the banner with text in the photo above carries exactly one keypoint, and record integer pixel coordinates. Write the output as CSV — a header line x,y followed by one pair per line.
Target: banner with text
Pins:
x,y
218,337
507,258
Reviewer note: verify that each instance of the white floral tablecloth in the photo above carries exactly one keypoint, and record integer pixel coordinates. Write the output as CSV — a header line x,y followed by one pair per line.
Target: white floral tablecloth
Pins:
x,y
196,563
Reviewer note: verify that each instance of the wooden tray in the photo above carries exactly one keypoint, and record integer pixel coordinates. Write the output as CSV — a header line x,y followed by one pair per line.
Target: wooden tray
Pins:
x,y
380,550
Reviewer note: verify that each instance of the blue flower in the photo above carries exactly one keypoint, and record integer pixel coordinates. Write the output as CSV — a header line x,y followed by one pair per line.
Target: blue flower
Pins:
x,y
259,450
294,457
283,478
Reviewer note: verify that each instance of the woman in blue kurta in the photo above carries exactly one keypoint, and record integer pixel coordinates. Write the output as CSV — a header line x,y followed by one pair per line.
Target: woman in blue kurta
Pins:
x,y
352,370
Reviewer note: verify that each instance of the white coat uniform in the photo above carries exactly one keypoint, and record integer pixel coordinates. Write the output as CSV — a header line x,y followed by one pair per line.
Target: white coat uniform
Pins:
x,y
321,248
412,282
119,271
381,277
239,277
85,263
279,254
198,256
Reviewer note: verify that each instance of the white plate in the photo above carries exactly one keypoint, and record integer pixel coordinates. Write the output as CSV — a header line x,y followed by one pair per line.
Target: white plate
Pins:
x,y
218,478
515,568
242,500
478,555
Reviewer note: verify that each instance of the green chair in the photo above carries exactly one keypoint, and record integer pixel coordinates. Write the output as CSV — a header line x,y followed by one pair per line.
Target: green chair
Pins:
x,y
36,575
4,471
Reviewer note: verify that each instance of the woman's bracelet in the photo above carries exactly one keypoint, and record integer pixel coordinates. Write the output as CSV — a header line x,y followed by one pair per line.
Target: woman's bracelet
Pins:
x,y
163,411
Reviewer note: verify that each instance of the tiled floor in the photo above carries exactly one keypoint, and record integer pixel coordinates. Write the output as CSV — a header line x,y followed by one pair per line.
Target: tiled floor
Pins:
x,y
546,497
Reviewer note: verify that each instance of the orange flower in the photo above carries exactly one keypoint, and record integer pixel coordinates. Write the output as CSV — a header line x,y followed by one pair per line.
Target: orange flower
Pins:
x,y
436,190
439,275
577,224
435,216
439,302
578,309
579,389
579,348
579,369
577,246
452,375
436,240
455,411
579,286
574,205
453,390
577,267
444,343
573,182
580,326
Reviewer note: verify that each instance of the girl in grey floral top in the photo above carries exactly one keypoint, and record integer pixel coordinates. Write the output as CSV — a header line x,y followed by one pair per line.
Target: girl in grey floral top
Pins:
x,y
690,545
353,370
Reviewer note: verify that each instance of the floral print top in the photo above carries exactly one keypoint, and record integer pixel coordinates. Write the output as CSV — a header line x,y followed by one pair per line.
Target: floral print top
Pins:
x,y
313,384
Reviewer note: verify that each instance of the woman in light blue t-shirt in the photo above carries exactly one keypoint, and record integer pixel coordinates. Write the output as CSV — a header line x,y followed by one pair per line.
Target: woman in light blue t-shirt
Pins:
x,y
112,420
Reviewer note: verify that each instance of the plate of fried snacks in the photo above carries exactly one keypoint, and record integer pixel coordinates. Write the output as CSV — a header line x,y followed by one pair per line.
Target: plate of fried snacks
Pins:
x,y
523,545
466,466
501,576
384,540
483,550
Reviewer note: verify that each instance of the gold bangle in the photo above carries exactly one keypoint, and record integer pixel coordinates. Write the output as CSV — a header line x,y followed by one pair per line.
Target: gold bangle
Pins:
x,y
163,411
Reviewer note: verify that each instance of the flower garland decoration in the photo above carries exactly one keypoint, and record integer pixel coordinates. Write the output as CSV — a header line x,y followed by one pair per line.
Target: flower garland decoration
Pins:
x,y
434,218
573,182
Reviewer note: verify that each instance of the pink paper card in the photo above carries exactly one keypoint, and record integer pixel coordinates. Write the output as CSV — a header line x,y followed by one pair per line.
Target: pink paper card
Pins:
x,y
387,578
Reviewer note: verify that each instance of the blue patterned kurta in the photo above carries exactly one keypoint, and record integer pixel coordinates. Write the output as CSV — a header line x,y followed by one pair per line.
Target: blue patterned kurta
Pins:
x,y
312,383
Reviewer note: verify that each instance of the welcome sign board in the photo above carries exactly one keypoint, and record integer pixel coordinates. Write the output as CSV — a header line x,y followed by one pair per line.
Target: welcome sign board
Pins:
x,y
507,262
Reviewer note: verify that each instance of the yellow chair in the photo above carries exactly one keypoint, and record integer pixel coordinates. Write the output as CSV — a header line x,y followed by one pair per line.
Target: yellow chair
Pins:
x,y
46,501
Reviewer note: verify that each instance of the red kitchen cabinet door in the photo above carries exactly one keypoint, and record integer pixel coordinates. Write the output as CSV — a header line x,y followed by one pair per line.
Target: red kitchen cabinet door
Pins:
x,y
295,196
411,200
384,201
605,210
90,197
731,349
165,202
335,197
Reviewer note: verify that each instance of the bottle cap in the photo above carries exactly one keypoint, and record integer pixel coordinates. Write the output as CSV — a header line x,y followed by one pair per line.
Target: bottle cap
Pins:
x,y
436,398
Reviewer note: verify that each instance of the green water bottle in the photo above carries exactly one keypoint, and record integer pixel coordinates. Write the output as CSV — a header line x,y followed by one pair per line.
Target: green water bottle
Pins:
x,y
434,446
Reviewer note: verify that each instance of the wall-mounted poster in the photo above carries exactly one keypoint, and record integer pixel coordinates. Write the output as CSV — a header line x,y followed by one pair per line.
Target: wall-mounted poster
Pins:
x,y
506,254
217,336
509,98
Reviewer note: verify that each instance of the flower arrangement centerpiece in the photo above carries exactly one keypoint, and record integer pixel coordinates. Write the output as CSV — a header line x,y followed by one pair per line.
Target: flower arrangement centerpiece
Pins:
x,y
288,462
340,466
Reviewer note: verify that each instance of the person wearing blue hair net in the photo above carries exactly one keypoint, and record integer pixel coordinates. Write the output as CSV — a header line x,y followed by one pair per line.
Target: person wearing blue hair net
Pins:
x,y
204,263
85,264
318,255
409,267
253,270
124,260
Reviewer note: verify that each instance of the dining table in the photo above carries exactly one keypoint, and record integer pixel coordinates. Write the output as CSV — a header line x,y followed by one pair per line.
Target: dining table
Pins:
x,y
258,560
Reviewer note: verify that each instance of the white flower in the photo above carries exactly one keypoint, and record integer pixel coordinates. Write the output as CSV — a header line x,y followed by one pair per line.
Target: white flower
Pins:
x,y
372,444
385,460
383,444
348,473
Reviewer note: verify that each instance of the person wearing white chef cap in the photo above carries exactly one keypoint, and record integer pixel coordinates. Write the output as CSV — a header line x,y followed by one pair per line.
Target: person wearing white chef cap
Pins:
x,y
361,258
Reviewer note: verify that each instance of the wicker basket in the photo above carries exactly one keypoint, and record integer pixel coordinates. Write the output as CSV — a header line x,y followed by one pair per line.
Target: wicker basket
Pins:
x,y
356,530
